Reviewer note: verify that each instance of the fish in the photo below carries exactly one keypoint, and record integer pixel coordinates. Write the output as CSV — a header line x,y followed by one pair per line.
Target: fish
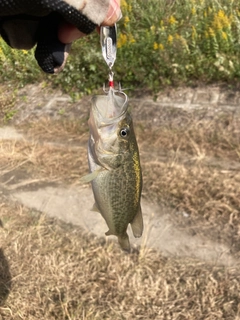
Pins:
x,y
114,163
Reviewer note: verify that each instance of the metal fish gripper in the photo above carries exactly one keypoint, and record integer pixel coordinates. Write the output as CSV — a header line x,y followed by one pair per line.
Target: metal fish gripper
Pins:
x,y
108,40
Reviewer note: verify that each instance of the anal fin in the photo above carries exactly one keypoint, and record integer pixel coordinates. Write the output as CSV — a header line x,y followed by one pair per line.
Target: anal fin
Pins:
x,y
95,208
109,233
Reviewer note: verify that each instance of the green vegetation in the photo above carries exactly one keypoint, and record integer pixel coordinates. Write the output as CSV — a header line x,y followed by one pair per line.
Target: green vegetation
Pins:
x,y
173,42
160,43
9,115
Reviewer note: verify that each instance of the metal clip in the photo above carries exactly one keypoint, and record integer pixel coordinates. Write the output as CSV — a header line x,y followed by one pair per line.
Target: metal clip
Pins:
x,y
108,39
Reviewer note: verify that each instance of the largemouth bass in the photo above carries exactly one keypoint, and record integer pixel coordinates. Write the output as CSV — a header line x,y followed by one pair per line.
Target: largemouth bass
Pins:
x,y
114,164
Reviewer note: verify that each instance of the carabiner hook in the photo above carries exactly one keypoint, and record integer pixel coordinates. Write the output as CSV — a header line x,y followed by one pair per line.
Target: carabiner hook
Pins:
x,y
108,39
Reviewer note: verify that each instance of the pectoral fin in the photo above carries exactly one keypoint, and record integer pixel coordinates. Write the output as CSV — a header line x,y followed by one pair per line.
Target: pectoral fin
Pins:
x,y
137,224
91,176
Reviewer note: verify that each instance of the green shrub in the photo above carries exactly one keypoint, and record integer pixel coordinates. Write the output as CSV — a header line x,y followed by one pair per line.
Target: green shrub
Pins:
x,y
165,42
18,66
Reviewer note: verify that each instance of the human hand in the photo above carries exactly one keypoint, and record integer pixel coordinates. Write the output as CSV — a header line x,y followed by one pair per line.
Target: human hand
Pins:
x,y
53,25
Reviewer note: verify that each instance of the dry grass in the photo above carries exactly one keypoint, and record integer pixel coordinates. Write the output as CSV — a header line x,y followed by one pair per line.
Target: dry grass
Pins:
x,y
63,130
196,133
190,162
46,161
54,271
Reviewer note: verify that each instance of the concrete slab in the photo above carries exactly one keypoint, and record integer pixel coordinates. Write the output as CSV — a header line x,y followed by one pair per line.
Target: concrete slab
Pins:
x,y
73,205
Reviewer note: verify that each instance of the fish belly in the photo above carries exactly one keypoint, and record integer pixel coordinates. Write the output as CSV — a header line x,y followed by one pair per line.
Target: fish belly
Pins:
x,y
115,199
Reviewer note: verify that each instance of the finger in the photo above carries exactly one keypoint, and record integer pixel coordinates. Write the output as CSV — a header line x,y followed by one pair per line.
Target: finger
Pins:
x,y
50,53
114,13
68,33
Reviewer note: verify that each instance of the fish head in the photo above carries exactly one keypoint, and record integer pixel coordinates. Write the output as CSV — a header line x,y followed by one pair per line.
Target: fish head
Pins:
x,y
110,124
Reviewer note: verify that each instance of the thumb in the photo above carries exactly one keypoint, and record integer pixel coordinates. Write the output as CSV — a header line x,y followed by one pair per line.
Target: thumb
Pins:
x,y
114,13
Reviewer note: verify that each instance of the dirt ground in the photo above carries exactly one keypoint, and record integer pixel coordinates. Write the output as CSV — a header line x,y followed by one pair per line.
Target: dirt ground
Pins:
x,y
187,265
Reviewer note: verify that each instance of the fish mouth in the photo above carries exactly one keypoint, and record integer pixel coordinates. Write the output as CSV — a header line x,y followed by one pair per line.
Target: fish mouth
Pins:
x,y
110,107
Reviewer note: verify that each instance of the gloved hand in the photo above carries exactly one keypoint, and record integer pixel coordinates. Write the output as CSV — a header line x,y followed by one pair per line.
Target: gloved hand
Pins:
x,y
53,24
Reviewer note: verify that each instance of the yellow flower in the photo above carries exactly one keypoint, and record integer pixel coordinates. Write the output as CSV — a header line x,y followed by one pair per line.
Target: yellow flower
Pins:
x,y
161,46
224,18
194,32
170,39
131,39
122,40
155,46
177,36
153,28
158,46
129,8
224,35
221,20
124,3
193,11
221,14
126,20
24,52
172,20
162,25
211,32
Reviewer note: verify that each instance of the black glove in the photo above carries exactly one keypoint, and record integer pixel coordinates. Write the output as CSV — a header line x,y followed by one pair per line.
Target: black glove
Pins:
x,y
23,23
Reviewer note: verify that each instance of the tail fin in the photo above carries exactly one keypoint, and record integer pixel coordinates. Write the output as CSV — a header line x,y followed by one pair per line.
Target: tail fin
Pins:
x,y
124,242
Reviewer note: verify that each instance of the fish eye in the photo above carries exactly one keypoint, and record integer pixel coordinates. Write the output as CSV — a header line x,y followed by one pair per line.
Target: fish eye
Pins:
x,y
124,132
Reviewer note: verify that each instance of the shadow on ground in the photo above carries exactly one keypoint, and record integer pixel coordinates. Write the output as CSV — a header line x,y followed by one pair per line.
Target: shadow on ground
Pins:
x,y
5,278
